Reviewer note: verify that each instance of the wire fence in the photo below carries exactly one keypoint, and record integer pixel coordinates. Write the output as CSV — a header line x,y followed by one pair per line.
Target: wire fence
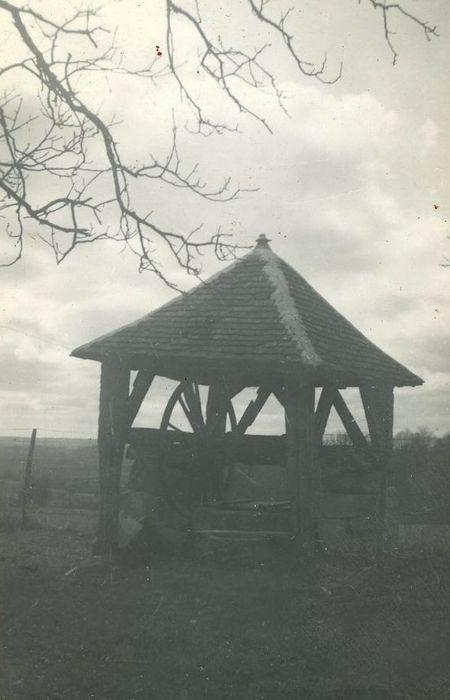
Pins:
x,y
44,432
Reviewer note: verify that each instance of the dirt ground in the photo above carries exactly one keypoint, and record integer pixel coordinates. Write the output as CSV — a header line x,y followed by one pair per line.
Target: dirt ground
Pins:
x,y
74,626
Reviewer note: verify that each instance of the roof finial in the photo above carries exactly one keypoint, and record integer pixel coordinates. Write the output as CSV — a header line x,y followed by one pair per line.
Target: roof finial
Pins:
x,y
262,241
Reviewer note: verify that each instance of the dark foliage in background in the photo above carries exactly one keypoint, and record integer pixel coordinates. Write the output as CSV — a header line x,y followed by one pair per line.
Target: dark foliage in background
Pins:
x,y
421,467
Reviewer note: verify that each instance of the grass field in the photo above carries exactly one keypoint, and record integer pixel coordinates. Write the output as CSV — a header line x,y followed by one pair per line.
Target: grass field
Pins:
x,y
69,464
78,627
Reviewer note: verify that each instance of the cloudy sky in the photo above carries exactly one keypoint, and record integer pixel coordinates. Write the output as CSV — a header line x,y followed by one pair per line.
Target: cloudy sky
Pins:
x,y
353,189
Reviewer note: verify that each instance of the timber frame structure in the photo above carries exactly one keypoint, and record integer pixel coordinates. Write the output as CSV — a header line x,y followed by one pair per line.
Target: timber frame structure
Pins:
x,y
257,324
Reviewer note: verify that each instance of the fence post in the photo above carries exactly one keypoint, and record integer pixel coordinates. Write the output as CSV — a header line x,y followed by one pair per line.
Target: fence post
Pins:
x,y
27,479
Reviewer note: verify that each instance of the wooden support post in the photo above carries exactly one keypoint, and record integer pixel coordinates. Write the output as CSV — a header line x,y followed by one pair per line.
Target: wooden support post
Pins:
x,y
27,479
378,402
216,406
112,430
299,411
351,426
214,455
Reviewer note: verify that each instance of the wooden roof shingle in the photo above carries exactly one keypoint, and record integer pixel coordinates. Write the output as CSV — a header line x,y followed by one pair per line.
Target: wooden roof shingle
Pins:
x,y
256,316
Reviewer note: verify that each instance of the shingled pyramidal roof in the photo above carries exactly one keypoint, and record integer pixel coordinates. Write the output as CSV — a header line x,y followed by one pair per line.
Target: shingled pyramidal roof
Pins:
x,y
257,316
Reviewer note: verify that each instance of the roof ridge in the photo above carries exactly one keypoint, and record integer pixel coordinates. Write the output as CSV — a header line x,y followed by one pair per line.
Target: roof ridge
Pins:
x,y
350,325
253,314
285,305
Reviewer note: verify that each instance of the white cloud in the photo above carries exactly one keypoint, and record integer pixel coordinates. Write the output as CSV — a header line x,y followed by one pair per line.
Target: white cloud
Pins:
x,y
429,132
349,180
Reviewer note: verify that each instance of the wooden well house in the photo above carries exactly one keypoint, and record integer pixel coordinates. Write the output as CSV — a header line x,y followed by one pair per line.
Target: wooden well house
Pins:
x,y
256,324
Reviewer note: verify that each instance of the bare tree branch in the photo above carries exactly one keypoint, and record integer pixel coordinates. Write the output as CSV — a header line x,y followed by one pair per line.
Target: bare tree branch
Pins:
x,y
64,177
390,8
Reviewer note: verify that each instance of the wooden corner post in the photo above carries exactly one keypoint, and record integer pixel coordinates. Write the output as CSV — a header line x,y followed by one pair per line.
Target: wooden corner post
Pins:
x,y
378,402
299,411
112,428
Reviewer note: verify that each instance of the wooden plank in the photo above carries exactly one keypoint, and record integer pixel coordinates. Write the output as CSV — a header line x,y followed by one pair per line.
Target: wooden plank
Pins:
x,y
353,430
244,533
112,431
27,478
148,439
342,505
248,449
299,411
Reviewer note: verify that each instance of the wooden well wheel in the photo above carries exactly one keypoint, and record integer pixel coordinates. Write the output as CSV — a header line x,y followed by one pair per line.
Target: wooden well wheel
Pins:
x,y
196,465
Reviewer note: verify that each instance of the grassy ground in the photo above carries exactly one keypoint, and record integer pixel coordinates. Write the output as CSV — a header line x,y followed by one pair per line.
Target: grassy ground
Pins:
x,y
77,627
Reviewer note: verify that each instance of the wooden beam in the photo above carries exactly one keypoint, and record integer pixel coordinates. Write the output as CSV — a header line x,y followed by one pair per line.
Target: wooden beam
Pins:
x,y
112,431
323,409
353,430
141,385
253,410
299,411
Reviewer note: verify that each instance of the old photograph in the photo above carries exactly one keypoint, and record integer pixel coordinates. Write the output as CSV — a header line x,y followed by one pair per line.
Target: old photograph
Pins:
x,y
225,373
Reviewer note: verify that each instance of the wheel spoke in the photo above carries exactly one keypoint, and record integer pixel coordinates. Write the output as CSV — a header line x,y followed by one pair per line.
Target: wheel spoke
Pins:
x,y
194,402
194,425
197,394
197,463
192,398
232,417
